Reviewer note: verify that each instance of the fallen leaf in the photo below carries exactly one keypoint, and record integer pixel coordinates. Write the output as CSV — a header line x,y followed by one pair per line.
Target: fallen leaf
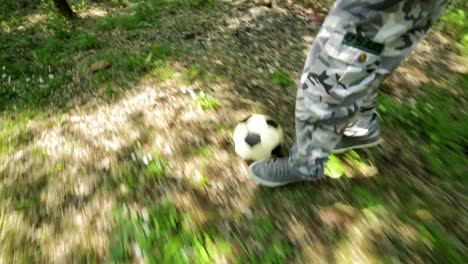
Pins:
x,y
99,65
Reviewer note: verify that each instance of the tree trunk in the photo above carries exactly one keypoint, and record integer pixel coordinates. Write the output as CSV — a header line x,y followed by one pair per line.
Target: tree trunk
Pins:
x,y
64,8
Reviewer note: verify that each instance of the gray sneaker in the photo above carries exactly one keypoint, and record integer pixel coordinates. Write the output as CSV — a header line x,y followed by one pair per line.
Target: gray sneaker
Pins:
x,y
358,140
278,172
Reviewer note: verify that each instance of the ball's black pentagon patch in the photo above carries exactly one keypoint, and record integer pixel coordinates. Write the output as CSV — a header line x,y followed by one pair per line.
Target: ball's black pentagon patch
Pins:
x,y
252,139
277,152
272,123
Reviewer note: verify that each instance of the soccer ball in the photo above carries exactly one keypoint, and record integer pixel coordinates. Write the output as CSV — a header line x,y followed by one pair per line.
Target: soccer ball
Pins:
x,y
257,137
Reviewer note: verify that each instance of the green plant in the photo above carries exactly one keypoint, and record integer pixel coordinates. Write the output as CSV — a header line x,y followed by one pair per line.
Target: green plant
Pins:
x,y
436,125
160,51
196,72
281,78
56,22
85,41
79,5
145,13
162,234
206,101
453,22
275,249
156,168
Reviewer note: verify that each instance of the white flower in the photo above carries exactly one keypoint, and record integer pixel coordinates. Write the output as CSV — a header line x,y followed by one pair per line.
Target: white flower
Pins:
x,y
41,80
51,76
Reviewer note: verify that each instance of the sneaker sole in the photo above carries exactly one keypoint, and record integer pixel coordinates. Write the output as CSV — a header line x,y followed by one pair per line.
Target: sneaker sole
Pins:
x,y
262,182
271,184
367,145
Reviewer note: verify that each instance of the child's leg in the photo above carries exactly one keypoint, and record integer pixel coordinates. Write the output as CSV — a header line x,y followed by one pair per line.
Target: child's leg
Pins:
x,y
359,44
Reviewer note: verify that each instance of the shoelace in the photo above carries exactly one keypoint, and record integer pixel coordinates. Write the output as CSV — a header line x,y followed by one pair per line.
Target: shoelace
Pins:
x,y
280,165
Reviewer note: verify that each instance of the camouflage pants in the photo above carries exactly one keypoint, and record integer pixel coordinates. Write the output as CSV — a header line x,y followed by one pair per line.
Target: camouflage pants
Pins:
x,y
359,44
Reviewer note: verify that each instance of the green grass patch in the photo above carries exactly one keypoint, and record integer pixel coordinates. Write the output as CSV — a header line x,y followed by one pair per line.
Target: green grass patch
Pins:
x,y
164,72
281,78
124,22
85,41
124,65
274,247
205,181
24,195
160,51
444,246
365,197
31,92
127,66
51,52
194,73
79,5
144,14
56,23
220,128
14,130
173,4
144,170
206,101
454,22
437,126
163,234
334,167
156,168
201,151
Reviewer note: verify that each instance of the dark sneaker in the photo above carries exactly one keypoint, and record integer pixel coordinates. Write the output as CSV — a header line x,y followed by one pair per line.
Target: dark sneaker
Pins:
x,y
278,172
357,140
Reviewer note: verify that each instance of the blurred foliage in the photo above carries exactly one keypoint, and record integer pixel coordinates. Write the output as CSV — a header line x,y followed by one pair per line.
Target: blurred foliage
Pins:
x,y
163,234
437,127
454,22
281,78
45,60
206,101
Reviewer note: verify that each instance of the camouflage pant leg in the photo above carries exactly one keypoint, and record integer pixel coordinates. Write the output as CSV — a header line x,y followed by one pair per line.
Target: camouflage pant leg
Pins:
x,y
360,42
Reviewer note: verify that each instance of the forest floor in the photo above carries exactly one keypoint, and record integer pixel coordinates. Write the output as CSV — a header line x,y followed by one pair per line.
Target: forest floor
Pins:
x,y
115,141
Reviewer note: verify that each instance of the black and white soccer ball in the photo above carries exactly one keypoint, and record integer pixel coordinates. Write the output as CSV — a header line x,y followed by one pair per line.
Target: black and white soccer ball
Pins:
x,y
258,137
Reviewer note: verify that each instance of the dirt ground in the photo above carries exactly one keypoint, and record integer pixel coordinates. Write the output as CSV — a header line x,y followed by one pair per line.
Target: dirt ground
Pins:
x,y
135,138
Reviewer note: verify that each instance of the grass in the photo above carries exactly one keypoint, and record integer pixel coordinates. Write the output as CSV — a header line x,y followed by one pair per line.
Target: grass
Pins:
x,y
15,132
202,151
274,248
196,72
145,168
144,14
334,167
156,168
454,23
45,77
85,41
440,136
162,234
206,101
281,78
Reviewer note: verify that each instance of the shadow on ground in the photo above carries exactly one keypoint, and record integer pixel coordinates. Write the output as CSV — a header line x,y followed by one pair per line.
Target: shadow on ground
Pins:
x,y
132,134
